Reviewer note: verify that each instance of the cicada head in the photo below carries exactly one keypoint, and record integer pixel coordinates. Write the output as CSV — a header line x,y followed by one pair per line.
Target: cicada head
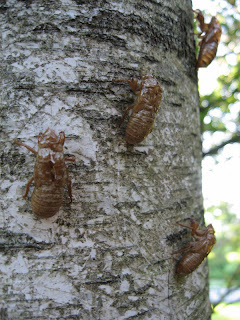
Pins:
x,y
49,139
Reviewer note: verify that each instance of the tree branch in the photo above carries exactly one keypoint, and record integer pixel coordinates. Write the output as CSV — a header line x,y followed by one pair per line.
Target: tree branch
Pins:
x,y
214,150
230,289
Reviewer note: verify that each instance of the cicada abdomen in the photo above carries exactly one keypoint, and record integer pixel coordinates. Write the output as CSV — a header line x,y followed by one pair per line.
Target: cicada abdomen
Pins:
x,y
196,251
210,35
144,109
50,174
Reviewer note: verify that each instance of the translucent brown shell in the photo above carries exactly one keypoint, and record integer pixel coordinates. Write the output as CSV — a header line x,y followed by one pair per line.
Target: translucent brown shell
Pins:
x,y
50,174
144,109
210,37
196,251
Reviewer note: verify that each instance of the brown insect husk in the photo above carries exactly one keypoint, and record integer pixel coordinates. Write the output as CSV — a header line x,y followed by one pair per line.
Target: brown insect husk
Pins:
x,y
50,174
196,251
144,109
210,37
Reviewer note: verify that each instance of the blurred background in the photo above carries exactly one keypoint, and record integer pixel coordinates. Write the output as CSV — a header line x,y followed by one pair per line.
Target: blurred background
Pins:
x,y
219,88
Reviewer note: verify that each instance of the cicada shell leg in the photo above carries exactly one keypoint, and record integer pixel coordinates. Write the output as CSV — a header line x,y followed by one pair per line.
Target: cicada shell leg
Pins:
x,y
25,145
125,113
28,186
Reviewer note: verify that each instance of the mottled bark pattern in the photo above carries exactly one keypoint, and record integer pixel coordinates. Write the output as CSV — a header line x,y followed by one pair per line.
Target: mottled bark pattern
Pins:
x,y
108,255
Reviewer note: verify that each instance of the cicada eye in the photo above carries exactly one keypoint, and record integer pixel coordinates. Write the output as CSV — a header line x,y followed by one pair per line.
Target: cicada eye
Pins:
x,y
61,137
40,136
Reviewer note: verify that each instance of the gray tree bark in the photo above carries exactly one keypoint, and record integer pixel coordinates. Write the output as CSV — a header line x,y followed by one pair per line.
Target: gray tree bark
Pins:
x,y
108,255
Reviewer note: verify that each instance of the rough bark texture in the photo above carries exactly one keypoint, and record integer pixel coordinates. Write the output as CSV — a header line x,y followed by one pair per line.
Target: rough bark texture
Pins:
x,y
108,255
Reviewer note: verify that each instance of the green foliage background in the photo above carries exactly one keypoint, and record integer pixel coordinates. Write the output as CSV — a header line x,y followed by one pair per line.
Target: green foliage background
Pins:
x,y
220,113
220,110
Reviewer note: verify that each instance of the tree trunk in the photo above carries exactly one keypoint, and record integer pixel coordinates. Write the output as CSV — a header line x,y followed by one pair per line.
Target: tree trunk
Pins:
x,y
108,255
